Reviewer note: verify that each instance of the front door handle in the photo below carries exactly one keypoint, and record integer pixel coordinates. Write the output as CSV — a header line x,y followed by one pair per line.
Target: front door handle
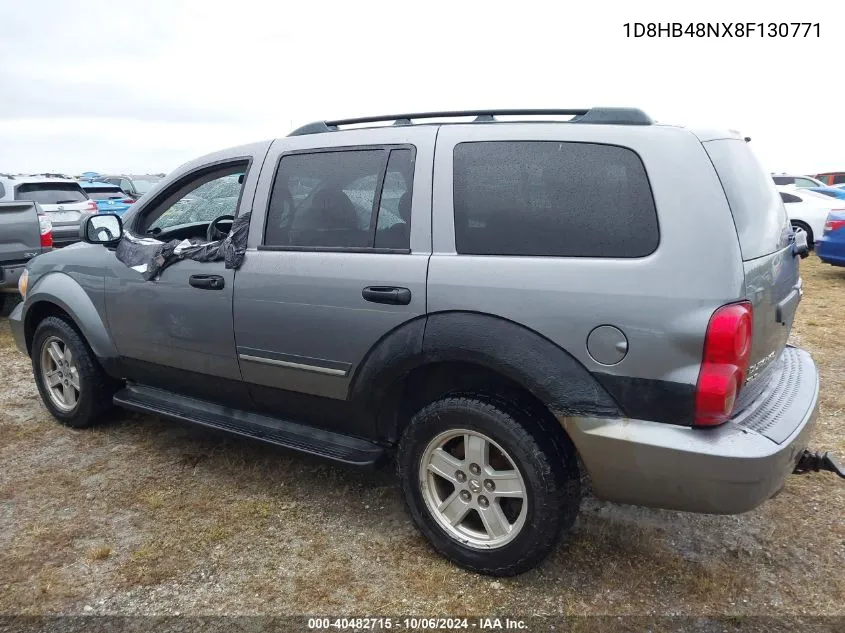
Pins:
x,y
207,282
387,294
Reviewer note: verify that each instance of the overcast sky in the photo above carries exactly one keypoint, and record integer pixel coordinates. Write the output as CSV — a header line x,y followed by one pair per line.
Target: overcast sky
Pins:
x,y
138,86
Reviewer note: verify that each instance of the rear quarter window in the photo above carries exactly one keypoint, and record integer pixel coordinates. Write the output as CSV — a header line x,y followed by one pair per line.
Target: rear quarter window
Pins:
x,y
554,199
758,212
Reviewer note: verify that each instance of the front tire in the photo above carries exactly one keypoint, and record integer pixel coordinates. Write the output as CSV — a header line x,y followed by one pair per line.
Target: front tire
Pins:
x,y
485,485
73,386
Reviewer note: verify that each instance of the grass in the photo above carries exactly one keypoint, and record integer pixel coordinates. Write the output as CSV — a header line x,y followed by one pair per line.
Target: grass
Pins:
x,y
143,516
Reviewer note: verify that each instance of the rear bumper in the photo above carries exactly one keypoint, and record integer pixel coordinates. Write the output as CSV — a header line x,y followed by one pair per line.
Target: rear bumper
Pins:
x,y
725,470
831,252
9,276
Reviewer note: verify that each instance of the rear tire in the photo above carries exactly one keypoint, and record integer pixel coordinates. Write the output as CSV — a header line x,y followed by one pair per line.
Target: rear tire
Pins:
x,y
73,386
503,493
797,224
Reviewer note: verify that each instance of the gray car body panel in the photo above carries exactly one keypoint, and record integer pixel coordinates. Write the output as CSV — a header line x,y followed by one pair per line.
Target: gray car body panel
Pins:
x,y
20,241
293,322
662,302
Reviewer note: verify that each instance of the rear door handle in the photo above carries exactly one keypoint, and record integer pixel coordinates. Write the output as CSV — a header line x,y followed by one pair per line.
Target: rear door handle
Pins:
x,y
207,282
387,294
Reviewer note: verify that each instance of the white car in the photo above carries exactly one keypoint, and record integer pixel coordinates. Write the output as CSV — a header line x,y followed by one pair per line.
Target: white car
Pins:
x,y
808,210
62,199
798,181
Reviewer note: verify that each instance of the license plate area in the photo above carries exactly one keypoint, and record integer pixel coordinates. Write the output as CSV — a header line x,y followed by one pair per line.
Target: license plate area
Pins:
x,y
63,216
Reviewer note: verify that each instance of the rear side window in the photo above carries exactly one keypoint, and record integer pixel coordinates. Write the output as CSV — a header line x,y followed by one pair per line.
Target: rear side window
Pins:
x,y
51,192
342,199
758,212
783,180
552,199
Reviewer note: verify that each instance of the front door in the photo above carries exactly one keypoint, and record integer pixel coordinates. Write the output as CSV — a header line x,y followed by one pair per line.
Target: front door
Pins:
x,y
176,331
340,262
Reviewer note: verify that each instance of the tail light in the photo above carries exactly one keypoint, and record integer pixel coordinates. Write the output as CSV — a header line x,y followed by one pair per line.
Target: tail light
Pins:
x,y
833,225
92,206
727,347
45,227
128,201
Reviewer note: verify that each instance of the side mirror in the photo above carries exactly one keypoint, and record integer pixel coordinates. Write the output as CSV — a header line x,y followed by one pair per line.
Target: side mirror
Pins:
x,y
105,228
799,243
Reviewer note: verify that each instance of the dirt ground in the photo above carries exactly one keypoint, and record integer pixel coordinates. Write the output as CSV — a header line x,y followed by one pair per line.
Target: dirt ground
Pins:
x,y
146,517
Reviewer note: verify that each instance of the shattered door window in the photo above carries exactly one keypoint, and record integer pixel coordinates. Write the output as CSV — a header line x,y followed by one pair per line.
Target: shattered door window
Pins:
x,y
203,204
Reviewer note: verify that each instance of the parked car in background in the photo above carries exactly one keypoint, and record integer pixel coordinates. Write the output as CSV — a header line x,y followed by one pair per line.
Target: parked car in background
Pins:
x,y
62,199
808,210
25,231
830,247
109,198
135,186
832,177
831,192
484,325
796,181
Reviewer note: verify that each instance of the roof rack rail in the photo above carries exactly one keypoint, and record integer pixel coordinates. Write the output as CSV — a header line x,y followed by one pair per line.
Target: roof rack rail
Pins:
x,y
605,116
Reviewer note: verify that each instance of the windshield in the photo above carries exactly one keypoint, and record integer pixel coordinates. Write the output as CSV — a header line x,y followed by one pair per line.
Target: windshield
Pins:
x,y
105,193
51,192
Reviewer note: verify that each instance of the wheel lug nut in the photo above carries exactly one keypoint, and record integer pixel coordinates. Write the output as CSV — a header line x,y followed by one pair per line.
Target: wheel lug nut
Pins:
x,y
461,476
489,485
465,495
483,502
474,469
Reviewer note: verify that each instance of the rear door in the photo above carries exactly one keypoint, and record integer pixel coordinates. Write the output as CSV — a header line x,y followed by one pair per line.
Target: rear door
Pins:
x,y
338,261
772,281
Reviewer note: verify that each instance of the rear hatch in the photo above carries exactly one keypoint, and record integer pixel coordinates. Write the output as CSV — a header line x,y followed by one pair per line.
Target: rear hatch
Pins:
x,y
108,199
772,281
20,235
63,202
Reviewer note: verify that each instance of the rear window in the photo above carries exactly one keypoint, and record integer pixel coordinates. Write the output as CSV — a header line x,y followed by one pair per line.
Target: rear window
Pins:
x,y
759,215
104,193
552,199
51,192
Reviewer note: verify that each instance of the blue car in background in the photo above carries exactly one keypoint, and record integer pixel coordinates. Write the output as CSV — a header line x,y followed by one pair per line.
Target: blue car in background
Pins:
x,y
830,247
109,198
833,192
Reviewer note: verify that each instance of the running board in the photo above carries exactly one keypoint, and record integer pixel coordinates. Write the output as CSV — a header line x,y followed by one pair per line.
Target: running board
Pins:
x,y
348,450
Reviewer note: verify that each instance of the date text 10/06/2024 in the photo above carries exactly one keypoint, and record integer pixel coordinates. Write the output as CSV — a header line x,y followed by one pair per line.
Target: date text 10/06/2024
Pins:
x,y
418,623
722,29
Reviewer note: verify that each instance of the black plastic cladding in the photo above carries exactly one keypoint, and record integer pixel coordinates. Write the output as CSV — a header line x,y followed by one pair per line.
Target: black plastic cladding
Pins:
x,y
602,116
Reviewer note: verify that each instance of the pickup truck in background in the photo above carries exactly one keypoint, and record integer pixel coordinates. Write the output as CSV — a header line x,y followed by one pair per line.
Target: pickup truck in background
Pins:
x,y
25,232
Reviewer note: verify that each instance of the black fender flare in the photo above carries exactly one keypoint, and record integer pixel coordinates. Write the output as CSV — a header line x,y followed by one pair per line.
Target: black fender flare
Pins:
x,y
61,290
520,354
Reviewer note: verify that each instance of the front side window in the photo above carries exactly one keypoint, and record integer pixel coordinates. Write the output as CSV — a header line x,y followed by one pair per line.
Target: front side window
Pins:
x,y
200,200
342,199
553,199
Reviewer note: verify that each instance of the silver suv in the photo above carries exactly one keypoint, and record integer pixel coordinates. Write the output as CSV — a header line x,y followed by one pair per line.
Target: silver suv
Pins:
x,y
502,307
61,198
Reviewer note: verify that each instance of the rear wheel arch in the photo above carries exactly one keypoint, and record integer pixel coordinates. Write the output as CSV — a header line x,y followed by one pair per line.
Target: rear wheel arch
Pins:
x,y
473,353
